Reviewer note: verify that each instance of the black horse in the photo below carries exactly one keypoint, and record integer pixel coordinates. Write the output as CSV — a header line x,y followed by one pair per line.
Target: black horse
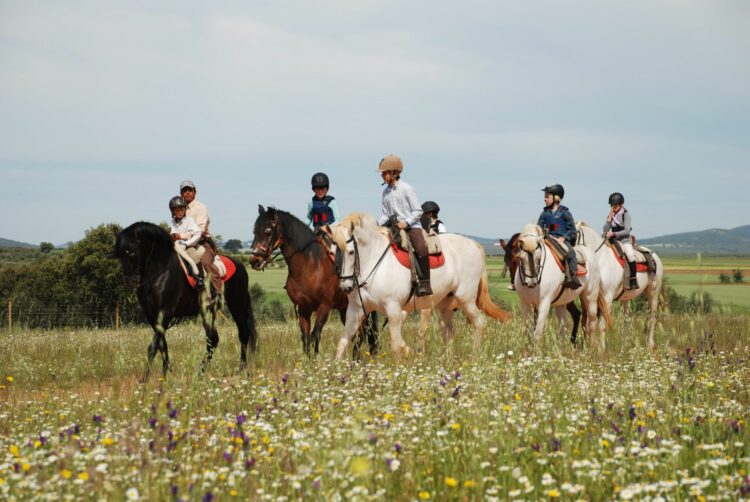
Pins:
x,y
150,263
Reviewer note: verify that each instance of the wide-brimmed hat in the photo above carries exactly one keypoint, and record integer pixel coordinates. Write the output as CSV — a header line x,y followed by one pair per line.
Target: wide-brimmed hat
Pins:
x,y
390,163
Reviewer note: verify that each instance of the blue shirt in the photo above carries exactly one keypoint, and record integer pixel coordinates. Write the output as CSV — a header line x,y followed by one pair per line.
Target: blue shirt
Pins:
x,y
401,201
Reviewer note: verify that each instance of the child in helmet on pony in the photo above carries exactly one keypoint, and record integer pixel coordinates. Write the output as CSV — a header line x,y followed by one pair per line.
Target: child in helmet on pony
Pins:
x,y
429,219
558,222
322,209
618,227
185,235
400,203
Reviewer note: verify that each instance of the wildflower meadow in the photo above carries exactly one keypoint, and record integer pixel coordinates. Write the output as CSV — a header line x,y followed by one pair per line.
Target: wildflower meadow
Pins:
x,y
511,421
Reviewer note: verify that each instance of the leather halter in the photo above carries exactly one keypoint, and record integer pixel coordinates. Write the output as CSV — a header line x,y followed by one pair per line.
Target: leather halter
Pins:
x,y
534,274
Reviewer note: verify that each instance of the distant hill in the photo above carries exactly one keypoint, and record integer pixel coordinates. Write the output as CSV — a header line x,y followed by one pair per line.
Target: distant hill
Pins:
x,y
712,241
7,243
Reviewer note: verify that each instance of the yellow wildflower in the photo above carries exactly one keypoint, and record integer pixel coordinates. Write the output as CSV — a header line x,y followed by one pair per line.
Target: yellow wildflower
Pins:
x,y
83,476
452,482
9,379
66,474
455,426
232,493
424,495
604,443
517,396
13,450
360,466
553,493
108,441
25,466
470,484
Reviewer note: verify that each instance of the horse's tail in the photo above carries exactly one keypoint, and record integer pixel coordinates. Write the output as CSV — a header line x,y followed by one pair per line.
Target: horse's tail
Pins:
x,y
485,303
602,305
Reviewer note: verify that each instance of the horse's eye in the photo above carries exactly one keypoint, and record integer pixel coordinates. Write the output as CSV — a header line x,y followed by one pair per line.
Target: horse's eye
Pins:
x,y
267,231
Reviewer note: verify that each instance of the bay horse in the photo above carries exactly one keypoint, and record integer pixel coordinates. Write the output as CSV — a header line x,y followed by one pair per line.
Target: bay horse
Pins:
x,y
612,278
539,282
150,263
510,264
312,283
375,281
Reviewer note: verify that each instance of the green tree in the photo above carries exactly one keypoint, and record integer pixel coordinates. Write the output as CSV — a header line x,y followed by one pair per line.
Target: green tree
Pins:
x,y
724,278
46,247
737,275
233,245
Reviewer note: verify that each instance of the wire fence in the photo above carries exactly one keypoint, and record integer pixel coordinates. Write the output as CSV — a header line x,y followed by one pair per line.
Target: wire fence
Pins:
x,y
20,314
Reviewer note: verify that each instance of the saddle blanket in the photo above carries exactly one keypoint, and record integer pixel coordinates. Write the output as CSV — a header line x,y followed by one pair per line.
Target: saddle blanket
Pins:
x,y
436,261
556,251
224,265
641,263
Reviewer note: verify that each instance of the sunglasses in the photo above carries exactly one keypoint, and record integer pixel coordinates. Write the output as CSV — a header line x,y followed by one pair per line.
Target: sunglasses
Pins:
x,y
187,189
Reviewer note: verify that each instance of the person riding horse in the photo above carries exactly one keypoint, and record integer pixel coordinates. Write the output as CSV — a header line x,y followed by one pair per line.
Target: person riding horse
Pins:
x,y
618,227
429,219
558,222
323,209
185,235
400,203
199,213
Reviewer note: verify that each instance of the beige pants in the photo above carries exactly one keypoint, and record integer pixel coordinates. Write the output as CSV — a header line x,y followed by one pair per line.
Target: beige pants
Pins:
x,y
627,248
192,254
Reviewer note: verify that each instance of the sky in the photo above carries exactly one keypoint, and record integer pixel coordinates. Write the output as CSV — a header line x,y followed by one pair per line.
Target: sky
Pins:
x,y
106,106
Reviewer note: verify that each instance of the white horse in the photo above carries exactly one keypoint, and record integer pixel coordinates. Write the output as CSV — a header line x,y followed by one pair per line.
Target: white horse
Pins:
x,y
611,286
539,283
375,281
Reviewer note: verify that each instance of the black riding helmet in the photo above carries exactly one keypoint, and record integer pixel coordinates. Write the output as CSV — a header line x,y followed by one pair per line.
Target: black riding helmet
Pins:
x,y
555,190
177,201
616,198
431,207
319,180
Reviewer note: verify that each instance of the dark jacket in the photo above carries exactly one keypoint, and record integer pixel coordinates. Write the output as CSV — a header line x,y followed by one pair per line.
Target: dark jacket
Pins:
x,y
321,213
559,223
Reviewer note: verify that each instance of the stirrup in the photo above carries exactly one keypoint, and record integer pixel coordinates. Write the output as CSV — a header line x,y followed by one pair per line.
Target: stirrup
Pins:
x,y
633,283
199,284
573,283
423,288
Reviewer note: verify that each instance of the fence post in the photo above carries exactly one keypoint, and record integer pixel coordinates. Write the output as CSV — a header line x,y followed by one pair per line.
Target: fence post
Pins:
x,y
117,317
10,315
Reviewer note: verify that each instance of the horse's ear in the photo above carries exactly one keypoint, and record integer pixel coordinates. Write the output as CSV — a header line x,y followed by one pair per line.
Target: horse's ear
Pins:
x,y
326,229
261,209
503,244
271,212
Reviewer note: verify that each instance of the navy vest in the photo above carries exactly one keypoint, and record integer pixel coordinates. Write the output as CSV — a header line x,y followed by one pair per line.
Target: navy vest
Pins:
x,y
320,213
557,224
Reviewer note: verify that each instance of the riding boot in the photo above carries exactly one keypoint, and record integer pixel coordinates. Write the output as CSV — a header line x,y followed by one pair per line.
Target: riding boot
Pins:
x,y
571,278
423,284
633,282
200,285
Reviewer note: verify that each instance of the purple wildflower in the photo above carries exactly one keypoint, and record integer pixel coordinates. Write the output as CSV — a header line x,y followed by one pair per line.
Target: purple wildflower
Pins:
x,y
241,419
98,419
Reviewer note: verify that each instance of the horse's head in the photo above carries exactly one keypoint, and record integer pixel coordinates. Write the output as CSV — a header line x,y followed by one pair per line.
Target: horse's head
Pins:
x,y
527,252
510,259
136,245
347,259
266,237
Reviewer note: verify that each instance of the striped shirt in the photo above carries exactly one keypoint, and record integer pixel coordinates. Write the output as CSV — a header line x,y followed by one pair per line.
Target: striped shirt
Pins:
x,y
401,201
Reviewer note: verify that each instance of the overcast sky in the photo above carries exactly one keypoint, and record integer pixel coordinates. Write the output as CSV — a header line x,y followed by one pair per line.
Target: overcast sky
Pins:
x,y
106,106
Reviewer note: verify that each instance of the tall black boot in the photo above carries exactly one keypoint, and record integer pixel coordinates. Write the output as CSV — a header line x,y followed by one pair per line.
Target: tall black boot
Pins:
x,y
571,278
633,282
200,284
423,284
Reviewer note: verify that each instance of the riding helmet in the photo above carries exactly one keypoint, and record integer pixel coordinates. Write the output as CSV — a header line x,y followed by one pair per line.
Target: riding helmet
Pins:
x,y
431,207
555,190
177,201
616,198
391,163
319,180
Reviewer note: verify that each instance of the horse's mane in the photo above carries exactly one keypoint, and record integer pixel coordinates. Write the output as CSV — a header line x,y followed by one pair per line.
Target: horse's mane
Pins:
x,y
352,221
296,233
530,236
145,231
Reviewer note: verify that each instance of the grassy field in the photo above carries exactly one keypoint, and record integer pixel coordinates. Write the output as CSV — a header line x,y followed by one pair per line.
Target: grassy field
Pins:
x,y
513,421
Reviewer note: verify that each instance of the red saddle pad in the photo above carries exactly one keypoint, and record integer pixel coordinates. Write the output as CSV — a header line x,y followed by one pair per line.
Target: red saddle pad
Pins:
x,y
402,256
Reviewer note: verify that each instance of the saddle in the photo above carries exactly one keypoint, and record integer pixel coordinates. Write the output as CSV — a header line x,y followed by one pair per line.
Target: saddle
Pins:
x,y
401,247
225,266
644,262
560,253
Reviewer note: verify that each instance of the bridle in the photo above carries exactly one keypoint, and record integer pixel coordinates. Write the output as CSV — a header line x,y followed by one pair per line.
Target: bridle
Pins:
x,y
265,250
533,273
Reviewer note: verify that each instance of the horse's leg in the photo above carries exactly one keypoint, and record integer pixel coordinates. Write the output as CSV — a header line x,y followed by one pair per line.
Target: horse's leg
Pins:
x,y
528,316
304,327
238,301
475,317
156,345
209,327
354,317
371,330
560,313
589,302
575,313
541,318
424,323
652,294
445,314
395,320
321,317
